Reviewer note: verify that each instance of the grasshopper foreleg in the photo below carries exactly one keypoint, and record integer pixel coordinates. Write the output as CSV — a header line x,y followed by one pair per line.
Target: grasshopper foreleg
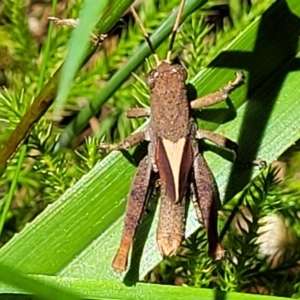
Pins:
x,y
219,96
126,144
135,207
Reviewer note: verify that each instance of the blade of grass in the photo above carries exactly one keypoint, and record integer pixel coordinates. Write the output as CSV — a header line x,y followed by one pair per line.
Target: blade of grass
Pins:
x,y
43,290
100,289
78,43
47,49
12,188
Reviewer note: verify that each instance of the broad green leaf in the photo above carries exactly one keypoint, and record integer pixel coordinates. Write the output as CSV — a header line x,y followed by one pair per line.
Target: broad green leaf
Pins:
x,y
78,235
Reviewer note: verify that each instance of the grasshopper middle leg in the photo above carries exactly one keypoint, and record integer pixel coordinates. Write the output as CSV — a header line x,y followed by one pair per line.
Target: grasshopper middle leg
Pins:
x,y
137,112
126,144
223,141
218,139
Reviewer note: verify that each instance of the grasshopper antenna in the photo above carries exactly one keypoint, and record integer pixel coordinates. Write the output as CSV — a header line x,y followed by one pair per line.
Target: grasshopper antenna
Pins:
x,y
175,29
146,35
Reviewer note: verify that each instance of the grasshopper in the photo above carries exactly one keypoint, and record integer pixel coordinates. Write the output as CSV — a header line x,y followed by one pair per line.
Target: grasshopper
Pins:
x,y
173,154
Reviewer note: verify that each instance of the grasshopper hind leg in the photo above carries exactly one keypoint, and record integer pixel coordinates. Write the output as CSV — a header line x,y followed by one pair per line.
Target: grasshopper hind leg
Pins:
x,y
135,207
205,200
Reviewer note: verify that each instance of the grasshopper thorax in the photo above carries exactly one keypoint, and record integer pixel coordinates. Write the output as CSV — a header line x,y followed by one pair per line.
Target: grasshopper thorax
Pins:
x,y
170,111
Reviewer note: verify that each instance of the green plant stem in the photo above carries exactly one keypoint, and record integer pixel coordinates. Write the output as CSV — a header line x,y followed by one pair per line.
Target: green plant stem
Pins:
x,y
12,187
47,48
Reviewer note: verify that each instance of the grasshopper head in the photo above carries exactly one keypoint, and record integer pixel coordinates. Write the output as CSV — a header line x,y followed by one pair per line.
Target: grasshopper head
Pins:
x,y
167,73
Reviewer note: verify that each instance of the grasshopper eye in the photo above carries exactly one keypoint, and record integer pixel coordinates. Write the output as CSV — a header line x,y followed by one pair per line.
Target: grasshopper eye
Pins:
x,y
151,78
180,71
183,75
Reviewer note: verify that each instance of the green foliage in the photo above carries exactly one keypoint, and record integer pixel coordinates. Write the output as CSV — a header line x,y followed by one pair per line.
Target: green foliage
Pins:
x,y
83,233
20,44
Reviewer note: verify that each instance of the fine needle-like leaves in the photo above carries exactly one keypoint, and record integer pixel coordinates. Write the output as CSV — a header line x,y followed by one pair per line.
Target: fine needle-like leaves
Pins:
x,y
45,97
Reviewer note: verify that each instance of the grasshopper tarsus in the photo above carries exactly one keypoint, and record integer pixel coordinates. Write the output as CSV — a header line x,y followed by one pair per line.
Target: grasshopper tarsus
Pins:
x,y
261,164
119,263
232,85
217,253
240,76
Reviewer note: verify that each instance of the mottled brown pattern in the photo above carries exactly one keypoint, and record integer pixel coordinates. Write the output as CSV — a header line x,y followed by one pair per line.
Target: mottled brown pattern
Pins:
x,y
168,101
171,225
134,210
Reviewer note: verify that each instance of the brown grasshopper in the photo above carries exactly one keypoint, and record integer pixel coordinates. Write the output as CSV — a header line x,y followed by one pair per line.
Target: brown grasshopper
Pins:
x,y
173,153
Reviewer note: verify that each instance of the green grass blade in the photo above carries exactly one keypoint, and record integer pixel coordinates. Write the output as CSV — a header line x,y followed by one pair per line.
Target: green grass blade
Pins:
x,y
42,290
100,289
78,43
47,49
12,188
81,120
